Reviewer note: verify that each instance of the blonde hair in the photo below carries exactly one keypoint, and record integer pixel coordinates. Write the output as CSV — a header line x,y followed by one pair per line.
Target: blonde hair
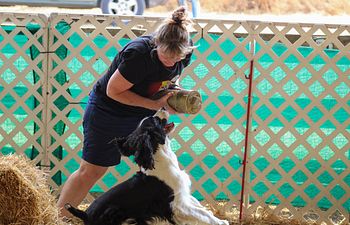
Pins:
x,y
172,35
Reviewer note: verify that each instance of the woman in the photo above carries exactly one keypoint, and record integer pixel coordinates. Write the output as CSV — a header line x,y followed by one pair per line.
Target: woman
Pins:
x,y
123,97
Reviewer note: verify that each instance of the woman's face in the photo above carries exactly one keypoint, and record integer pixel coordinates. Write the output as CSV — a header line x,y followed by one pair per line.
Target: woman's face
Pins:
x,y
167,59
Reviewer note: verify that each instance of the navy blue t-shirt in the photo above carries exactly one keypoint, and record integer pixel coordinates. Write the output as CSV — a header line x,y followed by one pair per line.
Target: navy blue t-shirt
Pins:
x,y
138,62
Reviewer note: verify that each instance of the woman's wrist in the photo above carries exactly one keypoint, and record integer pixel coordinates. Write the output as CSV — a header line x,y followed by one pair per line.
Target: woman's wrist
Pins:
x,y
152,104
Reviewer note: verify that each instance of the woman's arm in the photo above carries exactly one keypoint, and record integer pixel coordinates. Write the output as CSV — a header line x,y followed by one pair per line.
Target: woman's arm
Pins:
x,y
118,88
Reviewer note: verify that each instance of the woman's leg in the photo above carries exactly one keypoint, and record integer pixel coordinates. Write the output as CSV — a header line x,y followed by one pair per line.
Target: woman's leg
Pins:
x,y
78,185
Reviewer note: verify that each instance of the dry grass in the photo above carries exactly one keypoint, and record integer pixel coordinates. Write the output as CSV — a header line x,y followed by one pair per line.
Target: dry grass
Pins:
x,y
277,7
25,197
262,216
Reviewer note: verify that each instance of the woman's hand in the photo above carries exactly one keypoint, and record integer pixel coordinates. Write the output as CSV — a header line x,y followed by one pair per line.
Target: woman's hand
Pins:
x,y
118,89
163,103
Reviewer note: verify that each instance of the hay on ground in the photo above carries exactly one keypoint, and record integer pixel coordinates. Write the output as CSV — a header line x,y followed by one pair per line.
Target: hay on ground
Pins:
x,y
25,197
262,216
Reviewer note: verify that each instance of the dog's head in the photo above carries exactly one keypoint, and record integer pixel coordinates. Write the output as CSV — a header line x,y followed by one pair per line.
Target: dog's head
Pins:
x,y
144,141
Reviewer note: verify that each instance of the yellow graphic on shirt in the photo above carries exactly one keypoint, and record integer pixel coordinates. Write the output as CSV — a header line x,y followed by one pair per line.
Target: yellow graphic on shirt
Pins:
x,y
165,85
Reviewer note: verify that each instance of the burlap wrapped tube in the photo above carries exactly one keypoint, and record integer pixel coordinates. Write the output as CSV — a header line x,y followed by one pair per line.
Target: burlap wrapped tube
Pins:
x,y
182,101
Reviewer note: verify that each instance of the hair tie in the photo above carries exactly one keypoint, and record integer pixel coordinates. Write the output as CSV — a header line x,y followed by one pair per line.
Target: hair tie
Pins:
x,y
177,20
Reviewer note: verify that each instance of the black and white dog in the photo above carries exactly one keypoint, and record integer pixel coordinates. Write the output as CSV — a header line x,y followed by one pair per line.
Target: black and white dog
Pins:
x,y
158,194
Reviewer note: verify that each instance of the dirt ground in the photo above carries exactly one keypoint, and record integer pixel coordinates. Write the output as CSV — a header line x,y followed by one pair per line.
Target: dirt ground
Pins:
x,y
275,7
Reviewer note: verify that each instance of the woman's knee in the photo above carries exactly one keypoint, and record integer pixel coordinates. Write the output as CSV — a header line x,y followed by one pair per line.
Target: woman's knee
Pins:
x,y
90,172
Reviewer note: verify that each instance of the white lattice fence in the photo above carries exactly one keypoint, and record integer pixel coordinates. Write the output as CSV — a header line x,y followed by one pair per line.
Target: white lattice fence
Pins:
x,y
23,77
298,141
216,134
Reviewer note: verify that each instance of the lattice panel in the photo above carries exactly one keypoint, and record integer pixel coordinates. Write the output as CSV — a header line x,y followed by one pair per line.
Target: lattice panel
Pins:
x,y
23,47
299,158
210,144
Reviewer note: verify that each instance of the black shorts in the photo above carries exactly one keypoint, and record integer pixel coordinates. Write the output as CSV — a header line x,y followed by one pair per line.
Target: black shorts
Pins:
x,y
100,128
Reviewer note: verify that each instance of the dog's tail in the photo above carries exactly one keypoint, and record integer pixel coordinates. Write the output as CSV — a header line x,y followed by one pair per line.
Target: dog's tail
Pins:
x,y
76,212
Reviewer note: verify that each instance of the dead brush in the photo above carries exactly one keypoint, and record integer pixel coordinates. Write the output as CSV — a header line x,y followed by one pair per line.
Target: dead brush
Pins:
x,y
262,216
25,197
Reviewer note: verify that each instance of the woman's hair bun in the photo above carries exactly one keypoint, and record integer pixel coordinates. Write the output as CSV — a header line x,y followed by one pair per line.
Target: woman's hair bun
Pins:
x,y
179,15
172,36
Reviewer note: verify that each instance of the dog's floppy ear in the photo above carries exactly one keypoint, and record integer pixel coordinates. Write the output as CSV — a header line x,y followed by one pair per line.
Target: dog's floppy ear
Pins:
x,y
142,147
122,146
143,142
144,151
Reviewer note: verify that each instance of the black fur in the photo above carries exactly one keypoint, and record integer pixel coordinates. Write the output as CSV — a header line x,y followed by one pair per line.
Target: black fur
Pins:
x,y
144,141
141,197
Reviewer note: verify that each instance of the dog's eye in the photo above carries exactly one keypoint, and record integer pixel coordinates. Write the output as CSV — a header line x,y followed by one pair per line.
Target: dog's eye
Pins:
x,y
164,122
158,121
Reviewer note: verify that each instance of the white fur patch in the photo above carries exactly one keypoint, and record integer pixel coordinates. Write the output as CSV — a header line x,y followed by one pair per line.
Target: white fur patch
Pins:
x,y
187,209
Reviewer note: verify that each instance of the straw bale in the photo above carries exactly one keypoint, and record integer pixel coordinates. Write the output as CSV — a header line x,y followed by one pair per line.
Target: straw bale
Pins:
x,y
25,197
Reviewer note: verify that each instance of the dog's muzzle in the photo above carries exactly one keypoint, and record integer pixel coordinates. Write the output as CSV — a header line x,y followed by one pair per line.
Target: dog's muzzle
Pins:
x,y
163,114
